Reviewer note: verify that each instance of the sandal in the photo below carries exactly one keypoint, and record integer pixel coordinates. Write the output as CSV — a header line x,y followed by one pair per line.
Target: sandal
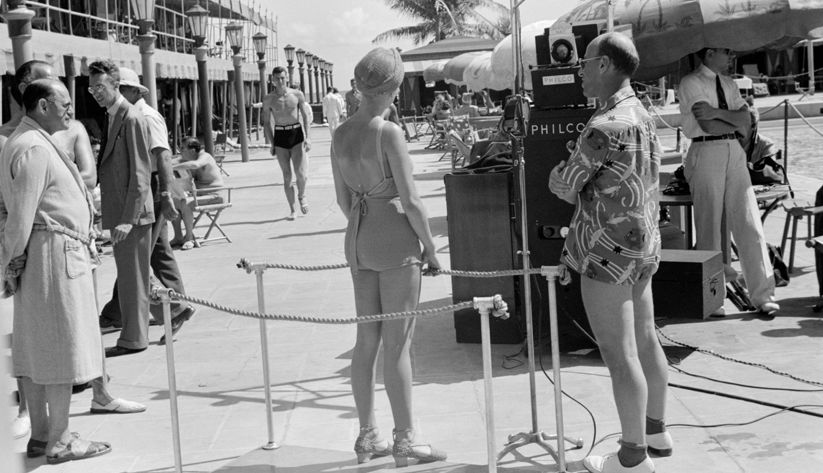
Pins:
x,y
304,207
366,448
37,448
188,245
404,449
79,449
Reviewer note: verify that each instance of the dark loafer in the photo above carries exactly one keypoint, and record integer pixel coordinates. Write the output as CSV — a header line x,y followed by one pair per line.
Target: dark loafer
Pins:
x,y
177,322
106,322
112,352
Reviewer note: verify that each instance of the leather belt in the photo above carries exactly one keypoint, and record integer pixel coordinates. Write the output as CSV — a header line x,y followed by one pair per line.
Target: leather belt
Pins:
x,y
287,127
727,136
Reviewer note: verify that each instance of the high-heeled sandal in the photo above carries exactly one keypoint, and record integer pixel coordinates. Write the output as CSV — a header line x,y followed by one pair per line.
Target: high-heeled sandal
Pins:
x,y
366,448
403,450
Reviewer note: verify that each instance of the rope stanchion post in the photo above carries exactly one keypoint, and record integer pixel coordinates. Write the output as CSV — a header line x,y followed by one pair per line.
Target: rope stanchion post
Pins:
x,y
163,295
486,305
259,269
552,274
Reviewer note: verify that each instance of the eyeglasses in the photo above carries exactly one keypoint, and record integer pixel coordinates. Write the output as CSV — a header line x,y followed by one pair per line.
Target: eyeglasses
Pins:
x,y
65,106
97,88
583,62
727,52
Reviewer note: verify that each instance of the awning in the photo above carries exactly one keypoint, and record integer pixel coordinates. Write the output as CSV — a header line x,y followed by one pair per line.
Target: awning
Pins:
x,y
52,47
448,48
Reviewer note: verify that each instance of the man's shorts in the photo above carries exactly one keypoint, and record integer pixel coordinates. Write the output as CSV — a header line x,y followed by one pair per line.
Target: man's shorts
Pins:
x,y
288,136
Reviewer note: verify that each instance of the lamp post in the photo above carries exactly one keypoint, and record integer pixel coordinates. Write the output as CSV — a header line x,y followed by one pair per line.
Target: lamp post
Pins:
x,y
309,65
145,19
331,74
316,61
259,39
198,22
234,31
19,18
325,77
301,58
289,50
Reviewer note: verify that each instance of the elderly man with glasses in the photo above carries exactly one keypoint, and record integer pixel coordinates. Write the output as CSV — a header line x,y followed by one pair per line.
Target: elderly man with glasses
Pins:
x,y
714,116
614,244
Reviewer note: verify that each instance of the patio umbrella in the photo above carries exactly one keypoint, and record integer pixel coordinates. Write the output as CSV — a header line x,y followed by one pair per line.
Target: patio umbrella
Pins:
x,y
477,74
666,30
501,60
434,72
456,66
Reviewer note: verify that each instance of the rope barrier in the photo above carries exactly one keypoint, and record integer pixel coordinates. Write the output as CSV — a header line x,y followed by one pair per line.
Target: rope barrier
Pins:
x,y
249,267
318,320
775,107
805,121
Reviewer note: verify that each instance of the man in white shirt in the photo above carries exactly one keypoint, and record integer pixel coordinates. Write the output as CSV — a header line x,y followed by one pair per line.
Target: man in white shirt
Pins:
x,y
332,110
714,114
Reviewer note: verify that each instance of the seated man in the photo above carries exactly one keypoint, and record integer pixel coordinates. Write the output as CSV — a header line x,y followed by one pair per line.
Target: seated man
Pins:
x,y
203,168
467,108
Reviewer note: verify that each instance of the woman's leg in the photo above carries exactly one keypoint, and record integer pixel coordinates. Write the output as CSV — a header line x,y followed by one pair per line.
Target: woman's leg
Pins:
x,y
652,358
399,292
610,310
364,356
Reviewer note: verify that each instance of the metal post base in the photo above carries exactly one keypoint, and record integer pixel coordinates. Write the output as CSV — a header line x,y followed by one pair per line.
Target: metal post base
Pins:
x,y
540,438
271,446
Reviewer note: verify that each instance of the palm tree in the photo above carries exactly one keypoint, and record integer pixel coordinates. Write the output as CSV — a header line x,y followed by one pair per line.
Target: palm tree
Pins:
x,y
441,18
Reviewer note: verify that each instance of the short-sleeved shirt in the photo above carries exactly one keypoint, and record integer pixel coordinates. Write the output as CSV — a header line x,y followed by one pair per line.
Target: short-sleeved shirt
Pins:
x,y
613,236
158,133
352,102
701,86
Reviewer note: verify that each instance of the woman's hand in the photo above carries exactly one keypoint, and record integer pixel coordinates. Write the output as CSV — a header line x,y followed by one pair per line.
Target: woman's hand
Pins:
x,y
430,261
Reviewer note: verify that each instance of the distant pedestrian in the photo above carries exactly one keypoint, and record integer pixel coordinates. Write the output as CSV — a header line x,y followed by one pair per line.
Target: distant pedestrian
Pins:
x,y
332,110
353,98
56,340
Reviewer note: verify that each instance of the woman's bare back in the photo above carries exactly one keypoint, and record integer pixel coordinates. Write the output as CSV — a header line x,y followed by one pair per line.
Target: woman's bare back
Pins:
x,y
355,148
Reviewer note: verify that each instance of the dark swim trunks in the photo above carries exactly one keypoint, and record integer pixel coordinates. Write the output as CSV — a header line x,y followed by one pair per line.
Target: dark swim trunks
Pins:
x,y
288,136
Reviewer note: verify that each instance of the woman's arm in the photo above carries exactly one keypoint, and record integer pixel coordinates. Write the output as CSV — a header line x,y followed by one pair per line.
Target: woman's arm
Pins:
x,y
394,147
84,156
340,187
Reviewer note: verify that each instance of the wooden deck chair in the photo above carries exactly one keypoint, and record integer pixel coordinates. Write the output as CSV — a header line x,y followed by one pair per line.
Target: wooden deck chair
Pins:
x,y
220,151
410,128
459,149
211,202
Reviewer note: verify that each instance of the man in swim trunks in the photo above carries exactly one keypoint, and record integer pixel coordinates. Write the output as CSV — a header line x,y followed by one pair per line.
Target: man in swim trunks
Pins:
x,y
290,142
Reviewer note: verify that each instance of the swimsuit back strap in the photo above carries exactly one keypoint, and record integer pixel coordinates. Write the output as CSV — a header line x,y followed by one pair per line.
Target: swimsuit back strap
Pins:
x,y
380,149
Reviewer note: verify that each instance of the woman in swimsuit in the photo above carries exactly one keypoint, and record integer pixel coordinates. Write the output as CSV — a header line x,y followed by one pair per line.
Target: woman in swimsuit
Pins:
x,y
387,224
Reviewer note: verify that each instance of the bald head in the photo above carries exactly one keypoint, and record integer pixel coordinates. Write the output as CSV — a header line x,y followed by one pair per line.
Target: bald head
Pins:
x,y
620,49
27,73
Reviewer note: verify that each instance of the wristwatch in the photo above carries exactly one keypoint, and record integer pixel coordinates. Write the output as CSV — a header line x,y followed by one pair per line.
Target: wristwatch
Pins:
x,y
165,194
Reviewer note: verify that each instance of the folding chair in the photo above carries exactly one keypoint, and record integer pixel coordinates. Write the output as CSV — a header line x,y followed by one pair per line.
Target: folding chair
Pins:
x,y
410,129
211,202
459,149
804,93
220,151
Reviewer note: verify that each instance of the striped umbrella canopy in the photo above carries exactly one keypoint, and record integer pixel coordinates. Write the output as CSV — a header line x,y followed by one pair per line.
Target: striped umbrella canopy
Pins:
x,y
666,30
478,72
501,60
456,66
434,72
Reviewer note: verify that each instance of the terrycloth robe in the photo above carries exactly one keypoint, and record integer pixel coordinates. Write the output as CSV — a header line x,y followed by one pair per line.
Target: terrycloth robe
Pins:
x,y
56,334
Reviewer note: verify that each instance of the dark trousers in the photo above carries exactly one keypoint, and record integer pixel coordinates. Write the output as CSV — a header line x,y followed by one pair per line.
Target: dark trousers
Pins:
x,y
162,264
818,230
132,259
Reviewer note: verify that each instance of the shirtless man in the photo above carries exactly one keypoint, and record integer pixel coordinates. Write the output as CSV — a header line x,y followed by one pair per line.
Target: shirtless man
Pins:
x,y
77,145
203,168
290,141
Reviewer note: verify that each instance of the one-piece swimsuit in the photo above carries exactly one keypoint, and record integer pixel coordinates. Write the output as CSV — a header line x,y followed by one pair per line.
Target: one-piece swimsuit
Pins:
x,y
379,236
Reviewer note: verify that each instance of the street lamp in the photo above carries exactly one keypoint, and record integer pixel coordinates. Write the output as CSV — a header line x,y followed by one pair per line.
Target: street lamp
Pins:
x,y
323,75
234,32
198,22
144,9
289,50
301,58
316,62
259,39
331,74
19,18
309,65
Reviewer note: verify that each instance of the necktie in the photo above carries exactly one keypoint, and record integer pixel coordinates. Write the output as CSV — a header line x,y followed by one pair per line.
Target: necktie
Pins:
x,y
104,137
721,96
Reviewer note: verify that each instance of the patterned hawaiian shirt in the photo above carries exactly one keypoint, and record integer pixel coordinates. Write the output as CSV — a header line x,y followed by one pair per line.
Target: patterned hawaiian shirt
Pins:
x,y
613,236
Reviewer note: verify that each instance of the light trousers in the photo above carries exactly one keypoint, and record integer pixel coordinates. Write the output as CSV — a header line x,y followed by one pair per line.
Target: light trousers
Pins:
x,y
719,180
334,122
